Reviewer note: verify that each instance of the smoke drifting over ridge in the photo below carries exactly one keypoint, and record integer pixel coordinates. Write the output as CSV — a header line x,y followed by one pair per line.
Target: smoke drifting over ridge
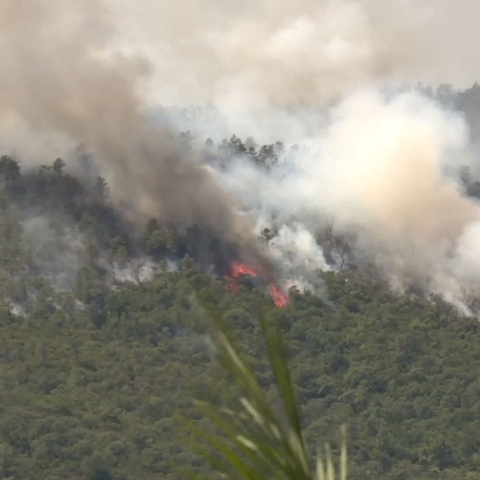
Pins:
x,y
386,175
284,51
250,54
59,76
383,168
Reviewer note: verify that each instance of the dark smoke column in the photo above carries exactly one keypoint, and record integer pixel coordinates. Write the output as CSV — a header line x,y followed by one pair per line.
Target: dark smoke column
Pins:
x,y
57,77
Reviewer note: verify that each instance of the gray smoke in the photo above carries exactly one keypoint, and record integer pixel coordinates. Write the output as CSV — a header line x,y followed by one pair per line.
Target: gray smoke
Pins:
x,y
285,52
60,76
385,172
56,252
383,169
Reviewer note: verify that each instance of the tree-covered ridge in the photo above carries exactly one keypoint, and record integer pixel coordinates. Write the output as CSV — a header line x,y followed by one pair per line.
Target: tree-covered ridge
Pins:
x,y
97,370
87,400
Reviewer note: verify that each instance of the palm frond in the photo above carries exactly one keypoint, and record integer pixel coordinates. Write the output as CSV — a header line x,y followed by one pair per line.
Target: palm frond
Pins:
x,y
255,442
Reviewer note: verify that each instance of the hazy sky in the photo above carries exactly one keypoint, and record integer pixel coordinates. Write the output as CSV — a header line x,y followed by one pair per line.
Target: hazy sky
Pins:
x,y
206,48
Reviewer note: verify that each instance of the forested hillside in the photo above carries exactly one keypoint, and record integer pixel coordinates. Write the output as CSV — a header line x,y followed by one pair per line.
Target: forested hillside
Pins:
x,y
105,342
171,170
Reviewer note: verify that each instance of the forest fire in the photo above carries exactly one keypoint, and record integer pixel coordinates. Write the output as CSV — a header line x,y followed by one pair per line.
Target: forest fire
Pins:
x,y
238,270
280,298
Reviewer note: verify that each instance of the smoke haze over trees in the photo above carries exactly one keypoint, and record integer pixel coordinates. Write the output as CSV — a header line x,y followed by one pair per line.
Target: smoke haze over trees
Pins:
x,y
382,166
329,148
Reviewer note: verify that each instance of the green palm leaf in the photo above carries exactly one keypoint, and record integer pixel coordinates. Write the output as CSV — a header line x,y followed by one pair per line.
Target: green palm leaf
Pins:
x,y
255,442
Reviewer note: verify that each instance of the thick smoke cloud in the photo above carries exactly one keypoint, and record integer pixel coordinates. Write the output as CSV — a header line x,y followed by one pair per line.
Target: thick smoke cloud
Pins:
x,y
59,75
385,174
285,51
381,168
268,53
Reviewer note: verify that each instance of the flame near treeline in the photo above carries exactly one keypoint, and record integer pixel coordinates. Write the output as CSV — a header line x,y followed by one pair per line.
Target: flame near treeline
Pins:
x,y
238,270
380,163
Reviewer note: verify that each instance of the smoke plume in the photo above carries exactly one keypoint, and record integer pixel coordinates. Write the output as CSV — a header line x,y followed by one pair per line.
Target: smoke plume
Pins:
x,y
380,171
385,173
60,76
284,51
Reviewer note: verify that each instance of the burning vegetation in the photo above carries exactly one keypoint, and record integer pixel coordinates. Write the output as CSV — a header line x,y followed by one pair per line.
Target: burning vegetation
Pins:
x,y
383,164
239,270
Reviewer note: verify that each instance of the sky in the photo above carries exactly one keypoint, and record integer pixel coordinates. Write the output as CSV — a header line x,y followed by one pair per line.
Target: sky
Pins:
x,y
202,49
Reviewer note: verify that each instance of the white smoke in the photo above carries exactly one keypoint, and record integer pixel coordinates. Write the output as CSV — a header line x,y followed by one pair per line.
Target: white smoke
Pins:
x,y
385,171
56,251
284,51
301,257
382,169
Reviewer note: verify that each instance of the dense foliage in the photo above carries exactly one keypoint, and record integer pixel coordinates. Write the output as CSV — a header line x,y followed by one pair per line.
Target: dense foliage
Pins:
x,y
97,373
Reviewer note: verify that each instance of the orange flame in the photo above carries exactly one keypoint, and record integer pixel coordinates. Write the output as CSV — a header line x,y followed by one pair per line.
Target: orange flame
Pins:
x,y
280,298
237,270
